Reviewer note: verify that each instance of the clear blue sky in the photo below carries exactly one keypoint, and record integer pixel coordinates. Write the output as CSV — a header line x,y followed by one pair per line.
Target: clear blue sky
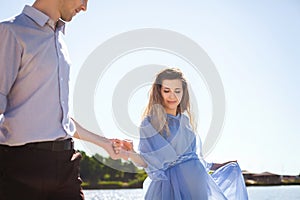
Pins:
x,y
255,46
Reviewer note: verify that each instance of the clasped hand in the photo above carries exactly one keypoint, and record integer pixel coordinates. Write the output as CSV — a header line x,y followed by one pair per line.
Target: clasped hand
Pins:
x,y
122,147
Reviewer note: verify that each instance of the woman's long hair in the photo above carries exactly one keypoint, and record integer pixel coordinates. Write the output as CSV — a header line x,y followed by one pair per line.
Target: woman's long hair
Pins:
x,y
155,107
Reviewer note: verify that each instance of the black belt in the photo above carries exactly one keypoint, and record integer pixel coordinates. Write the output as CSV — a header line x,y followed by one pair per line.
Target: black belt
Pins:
x,y
57,145
62,145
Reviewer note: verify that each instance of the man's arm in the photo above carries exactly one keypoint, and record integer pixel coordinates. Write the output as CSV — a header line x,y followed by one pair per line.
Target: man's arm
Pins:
x,y
88,136
10,56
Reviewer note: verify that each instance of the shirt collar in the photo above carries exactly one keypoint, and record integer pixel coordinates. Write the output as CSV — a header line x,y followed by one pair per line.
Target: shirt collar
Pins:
x,y
40,18
174,117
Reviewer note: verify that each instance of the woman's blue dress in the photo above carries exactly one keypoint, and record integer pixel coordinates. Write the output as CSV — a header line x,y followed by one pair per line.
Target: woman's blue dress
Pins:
x,y
175,170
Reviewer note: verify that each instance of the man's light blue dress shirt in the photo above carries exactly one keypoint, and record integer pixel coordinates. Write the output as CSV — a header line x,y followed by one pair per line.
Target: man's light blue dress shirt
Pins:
x,y
34,80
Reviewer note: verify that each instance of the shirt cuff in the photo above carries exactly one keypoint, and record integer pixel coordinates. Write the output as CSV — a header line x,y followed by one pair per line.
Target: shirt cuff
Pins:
x,y
3,103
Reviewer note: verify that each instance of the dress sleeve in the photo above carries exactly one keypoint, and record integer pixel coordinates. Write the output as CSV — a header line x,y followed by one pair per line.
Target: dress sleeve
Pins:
x,y
10,56
155,151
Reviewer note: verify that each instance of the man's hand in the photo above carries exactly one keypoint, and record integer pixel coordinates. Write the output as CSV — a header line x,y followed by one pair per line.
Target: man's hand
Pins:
x,y
118,150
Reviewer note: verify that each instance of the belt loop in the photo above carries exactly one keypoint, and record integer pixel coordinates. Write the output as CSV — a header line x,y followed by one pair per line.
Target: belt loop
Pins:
x,y
53,146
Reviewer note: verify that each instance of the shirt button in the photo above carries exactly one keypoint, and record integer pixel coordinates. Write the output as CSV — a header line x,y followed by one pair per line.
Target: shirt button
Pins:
x,y
63,102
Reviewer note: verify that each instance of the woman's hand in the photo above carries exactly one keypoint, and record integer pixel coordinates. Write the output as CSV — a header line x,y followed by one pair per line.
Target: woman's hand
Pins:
x,y
216,166
122,147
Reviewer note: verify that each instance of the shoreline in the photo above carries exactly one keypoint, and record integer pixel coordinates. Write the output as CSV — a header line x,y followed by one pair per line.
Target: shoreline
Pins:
x,y
126,186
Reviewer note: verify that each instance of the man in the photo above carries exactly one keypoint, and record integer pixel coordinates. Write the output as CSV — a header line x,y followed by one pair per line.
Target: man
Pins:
x,y
37,160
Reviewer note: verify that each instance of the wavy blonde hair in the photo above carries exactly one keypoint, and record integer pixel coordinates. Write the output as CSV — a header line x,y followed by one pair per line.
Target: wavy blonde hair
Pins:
x,y
155,107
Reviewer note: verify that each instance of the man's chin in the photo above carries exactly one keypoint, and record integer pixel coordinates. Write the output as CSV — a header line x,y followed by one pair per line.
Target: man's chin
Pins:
x,y
68,19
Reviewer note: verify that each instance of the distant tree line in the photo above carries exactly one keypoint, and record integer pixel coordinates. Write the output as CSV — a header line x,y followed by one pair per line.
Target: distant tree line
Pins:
x,y
100,172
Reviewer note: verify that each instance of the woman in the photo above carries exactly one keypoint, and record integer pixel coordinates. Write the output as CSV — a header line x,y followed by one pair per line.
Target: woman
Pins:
x,y
168,149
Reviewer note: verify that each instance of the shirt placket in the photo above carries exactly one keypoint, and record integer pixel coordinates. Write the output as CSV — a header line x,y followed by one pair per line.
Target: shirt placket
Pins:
x,y
63,82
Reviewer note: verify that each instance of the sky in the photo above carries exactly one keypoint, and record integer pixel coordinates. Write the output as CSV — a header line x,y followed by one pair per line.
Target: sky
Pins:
x,y
255,48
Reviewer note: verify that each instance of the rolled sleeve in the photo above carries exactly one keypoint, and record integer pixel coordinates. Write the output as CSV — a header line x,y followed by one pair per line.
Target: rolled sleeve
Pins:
x,y
10,59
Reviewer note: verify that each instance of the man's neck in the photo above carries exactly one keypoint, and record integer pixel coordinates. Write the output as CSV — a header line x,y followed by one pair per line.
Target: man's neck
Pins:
x,y
48,7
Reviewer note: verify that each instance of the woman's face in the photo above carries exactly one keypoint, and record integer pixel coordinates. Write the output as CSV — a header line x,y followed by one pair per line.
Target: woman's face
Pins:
x,y
171,92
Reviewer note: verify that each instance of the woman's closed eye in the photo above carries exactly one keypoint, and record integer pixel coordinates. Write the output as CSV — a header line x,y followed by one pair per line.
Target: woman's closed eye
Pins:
x,y
177,91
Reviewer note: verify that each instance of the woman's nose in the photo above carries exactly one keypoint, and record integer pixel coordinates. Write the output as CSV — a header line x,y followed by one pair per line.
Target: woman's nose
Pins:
x,y
172,95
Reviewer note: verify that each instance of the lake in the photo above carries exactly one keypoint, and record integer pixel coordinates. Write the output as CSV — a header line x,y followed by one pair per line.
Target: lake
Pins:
x,y
255,193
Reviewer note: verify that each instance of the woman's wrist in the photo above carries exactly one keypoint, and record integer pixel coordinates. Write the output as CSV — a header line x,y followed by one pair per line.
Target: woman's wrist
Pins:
x,y
130,154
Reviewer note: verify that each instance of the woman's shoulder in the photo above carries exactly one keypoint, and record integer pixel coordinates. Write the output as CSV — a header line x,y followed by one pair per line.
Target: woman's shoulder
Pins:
x,y
184,118
146,128
146,124
146,120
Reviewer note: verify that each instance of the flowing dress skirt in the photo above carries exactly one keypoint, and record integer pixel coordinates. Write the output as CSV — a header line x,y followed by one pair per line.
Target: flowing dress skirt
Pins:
x,y
190,181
